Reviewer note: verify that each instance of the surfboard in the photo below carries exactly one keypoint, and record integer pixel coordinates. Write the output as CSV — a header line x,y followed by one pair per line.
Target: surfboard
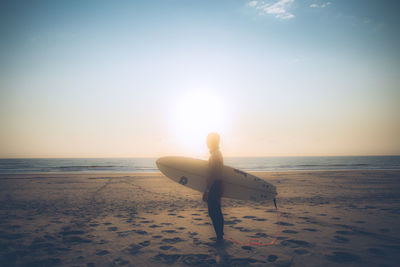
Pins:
x,y
237,184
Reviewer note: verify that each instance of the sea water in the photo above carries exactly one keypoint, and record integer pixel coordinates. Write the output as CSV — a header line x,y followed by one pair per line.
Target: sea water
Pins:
x,y
247,164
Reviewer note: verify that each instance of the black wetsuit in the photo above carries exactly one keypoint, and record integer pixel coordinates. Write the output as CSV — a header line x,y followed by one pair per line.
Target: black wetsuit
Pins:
x,y
215,193
214,208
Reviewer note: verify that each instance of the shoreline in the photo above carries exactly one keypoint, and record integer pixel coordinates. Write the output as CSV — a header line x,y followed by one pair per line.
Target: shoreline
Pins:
x,y
159,173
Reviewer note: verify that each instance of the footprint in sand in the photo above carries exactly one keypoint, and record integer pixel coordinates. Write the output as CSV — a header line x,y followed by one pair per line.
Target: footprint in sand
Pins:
x,y
272,258
249,217
40,245
301,251
154,226
133,249
46,262
193,233
166,258
282,237
258,235
289,231
294,243
168,231
172,240
181,228
342,257
166,247
285,224
248,248
340,239
243,261
102,252
310,229
157,236
242,229
121,262
345,233
145,243
377,252
140,232
113,228
64,233
76,239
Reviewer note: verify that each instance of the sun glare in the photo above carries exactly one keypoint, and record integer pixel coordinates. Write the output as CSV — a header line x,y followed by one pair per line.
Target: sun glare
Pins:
x,y
195,115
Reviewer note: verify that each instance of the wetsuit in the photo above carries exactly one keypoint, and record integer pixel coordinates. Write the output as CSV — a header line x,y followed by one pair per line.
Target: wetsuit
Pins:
x,y
215,164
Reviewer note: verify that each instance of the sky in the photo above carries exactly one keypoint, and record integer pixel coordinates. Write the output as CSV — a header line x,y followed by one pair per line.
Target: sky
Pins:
x,y
152,78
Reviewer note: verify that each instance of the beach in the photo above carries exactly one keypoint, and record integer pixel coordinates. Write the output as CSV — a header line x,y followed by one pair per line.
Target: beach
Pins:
x,y
327,218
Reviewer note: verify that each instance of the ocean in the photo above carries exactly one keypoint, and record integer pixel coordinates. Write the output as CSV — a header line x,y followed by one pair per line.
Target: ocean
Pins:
x,y
246,164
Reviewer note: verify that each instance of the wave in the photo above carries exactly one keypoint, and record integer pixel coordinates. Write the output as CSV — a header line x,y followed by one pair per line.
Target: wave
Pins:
x,y
334,165
246,164
90,166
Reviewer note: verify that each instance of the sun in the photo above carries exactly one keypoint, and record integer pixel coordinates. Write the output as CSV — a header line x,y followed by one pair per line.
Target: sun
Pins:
x,y
196,114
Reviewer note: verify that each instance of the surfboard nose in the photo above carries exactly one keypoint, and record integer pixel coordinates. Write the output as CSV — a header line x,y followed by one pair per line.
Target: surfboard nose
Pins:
x,y
168,160
158,161
161,161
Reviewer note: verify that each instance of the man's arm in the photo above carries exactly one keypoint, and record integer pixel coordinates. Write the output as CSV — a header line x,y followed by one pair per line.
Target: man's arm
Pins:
x,y
214,171
210,178
210,175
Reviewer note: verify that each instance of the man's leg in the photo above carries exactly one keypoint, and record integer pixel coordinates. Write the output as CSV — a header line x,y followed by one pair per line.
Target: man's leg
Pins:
x,y
219,222
214,209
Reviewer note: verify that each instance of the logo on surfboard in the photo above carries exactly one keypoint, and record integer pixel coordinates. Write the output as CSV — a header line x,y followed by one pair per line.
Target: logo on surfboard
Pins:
x,y
183,180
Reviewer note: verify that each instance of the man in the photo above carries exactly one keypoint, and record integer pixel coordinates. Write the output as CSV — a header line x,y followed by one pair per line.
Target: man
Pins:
x,y
212,194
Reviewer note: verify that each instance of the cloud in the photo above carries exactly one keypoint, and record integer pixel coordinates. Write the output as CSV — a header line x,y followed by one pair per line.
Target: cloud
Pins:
x,y
278,9
252,3
323,5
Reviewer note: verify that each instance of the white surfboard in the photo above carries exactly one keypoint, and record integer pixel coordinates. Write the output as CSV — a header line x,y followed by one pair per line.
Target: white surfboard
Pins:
x,y
237,184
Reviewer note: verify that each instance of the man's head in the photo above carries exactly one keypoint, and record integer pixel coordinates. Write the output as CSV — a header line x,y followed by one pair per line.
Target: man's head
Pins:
x,y
213,141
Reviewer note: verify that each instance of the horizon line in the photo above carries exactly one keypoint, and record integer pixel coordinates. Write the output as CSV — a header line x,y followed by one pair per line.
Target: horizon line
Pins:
x,y
152,157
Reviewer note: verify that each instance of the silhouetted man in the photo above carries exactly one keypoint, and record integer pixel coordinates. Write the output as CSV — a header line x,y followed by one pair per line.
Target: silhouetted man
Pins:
x,y
212,194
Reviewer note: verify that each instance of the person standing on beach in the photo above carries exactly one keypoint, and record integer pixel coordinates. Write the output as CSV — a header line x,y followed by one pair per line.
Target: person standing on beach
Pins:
x,y
212,194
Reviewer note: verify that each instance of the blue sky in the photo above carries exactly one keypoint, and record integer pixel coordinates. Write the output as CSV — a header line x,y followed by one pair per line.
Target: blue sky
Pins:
x,y
291,77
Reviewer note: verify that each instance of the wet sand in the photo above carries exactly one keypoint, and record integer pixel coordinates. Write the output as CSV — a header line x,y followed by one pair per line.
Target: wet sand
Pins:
x,y
328,218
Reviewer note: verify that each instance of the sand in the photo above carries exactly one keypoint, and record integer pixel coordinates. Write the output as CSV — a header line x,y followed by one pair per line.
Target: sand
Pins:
x,y
328,218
